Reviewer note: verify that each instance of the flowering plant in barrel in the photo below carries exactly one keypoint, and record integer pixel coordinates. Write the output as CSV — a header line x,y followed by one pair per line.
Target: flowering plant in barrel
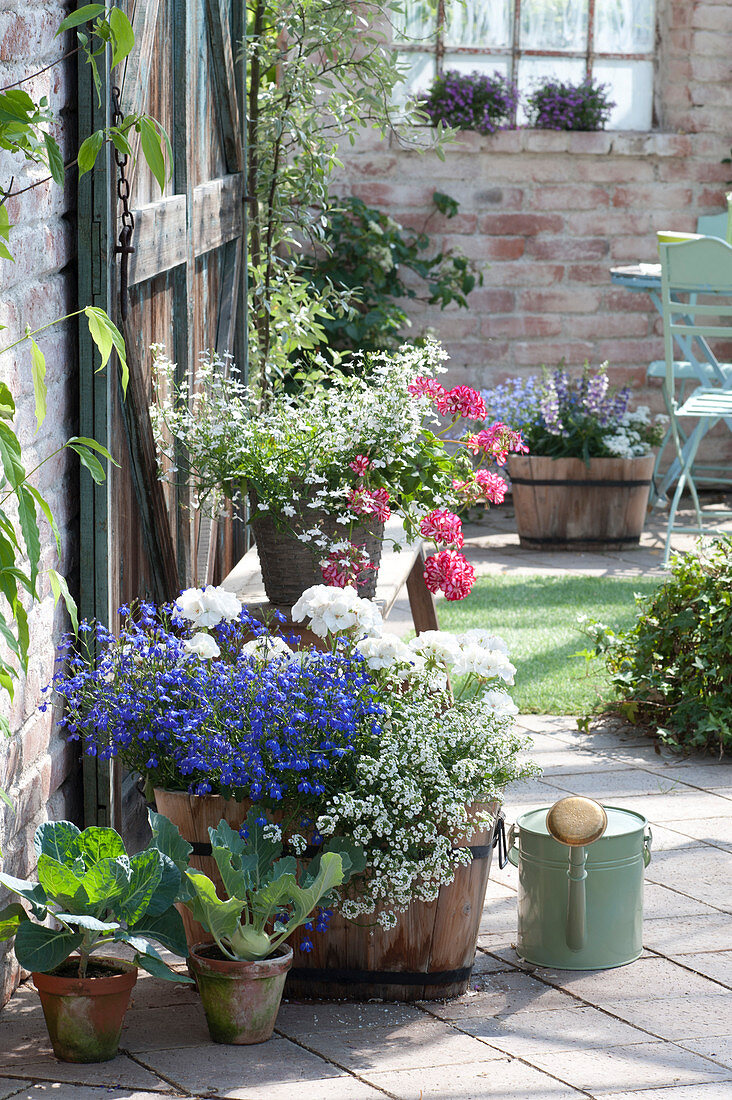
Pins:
x,y
364,740
330,465
582,417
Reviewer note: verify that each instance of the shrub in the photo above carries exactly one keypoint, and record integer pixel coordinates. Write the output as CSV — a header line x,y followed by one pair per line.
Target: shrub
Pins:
x,y
561,105
673,669
471,101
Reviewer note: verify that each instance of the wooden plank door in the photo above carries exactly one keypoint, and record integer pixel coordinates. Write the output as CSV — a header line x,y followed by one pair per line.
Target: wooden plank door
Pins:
x,y
186,291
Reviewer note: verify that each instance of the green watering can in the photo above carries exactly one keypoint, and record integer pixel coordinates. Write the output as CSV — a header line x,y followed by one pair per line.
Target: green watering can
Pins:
x,y
580,896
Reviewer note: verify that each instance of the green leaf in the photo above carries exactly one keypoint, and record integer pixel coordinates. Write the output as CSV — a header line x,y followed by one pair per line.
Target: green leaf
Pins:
x,y
97,843
46,509
81,15
159,969
38,372
107,880
29,526
167,839
89,151
168,889
220,918
43,949
106,336
146,874
165,928
123,35
57,879
60,589
7,404
10,456
10,919
89,460
33,892
92,924
152,148
58,839
55,160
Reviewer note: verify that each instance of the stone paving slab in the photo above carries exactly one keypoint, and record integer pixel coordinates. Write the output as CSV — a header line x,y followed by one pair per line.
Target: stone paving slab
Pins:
x,y
56,1091
717,1049
121,1072
527,1032
714,964
499,1080
8,1087
682,1092
676,1018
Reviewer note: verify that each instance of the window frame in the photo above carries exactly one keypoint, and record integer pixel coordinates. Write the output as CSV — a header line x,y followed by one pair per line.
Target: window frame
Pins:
x,y
514,52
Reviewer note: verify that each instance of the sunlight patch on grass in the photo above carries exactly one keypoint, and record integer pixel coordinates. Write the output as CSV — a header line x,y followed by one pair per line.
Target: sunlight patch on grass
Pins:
x,y
537,615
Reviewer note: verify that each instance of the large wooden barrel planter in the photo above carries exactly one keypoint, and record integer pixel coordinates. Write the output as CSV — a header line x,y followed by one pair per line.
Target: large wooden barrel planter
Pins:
x,y
429,955
564,504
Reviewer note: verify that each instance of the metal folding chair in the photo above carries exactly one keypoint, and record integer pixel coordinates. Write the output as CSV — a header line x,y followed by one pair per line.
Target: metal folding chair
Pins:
x,y
692,270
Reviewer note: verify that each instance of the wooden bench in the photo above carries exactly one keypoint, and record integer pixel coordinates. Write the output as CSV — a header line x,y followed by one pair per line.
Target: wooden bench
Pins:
x,y
398,567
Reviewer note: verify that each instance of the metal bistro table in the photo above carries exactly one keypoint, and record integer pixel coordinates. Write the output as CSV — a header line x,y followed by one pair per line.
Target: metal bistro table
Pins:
x,y
646,279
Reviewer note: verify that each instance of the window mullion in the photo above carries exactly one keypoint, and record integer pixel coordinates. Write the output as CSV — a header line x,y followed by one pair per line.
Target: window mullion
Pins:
x,y
590,36
515,46
440,38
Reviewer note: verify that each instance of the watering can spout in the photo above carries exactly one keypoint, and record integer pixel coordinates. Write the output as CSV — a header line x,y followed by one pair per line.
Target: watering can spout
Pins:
x,y
576,822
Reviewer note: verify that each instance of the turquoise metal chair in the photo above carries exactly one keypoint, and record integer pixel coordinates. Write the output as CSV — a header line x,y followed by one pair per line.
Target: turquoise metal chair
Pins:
x,y
691,270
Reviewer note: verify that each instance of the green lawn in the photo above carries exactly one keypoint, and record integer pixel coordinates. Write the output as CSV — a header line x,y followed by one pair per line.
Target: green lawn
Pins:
x,y
537,615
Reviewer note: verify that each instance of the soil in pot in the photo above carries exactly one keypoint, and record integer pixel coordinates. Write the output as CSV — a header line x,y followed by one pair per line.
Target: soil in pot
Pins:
x,y
84,1016
241,999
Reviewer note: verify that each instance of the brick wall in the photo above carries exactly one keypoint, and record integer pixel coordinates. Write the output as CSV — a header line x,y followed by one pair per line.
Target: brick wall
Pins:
x,y
37,768
550,213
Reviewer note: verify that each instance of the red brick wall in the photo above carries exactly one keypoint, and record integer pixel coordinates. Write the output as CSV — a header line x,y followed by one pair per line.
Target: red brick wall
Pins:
x,y
37,767
550,213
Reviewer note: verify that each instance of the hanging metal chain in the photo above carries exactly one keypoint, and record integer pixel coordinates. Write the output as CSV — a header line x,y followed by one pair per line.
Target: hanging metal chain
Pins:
x,y
124,249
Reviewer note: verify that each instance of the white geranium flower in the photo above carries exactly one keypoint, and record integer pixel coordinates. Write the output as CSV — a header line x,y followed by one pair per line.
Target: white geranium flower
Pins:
x,y
500,703
208,606
482,638
335,610
487,664
268,648
203,645
385,651
438,644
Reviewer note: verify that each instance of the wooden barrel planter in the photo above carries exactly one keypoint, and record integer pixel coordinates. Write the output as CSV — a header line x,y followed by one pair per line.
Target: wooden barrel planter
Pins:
x,y
193,814
429,955
563,504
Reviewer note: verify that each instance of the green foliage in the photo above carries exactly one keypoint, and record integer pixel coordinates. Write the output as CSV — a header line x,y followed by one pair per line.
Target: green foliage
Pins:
x,y
263,885
319,71
672,669
98,895
367,254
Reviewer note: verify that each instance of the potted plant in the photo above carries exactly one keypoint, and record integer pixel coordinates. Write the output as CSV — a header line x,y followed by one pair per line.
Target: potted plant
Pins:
x,y
268,895
562,105
324,469
586,481
471,101
96,895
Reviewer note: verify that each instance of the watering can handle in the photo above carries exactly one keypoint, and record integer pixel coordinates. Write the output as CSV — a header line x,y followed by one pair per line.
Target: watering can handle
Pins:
x,y
511,840
647,841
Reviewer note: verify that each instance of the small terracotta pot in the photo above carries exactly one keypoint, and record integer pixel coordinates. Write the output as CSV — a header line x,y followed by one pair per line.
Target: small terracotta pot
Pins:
x,y
241,999
84,1016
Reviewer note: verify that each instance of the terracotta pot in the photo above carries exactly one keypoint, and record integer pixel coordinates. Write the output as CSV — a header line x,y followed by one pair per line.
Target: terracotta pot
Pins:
x,y
563,504
84,1016
241,999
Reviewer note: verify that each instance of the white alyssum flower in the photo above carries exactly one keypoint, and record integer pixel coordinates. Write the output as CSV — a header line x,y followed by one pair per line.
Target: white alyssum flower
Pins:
x,y
202,645
333,610
208,606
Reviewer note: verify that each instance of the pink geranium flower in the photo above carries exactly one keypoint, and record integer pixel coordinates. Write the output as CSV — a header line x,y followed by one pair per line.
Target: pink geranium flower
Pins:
x,y
462,401
450,572
360,464
443,527
370,502
426,387
346,567
485,485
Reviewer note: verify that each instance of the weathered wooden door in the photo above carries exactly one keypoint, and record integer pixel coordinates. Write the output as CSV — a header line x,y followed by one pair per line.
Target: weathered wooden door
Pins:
x,y
185,290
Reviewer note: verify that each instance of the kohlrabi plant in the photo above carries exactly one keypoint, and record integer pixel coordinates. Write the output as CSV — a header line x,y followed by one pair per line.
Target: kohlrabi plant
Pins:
x,y
269,894
95,895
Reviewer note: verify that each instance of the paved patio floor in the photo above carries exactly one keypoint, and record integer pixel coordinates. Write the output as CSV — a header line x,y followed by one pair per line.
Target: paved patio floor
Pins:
x,y
658,1028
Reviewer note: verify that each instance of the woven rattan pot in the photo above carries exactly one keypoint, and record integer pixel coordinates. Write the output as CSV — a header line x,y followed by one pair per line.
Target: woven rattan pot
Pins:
x,y
289,566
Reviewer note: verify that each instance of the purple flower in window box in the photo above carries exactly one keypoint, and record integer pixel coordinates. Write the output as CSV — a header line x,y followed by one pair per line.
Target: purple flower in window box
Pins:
x,y
561,105
471,101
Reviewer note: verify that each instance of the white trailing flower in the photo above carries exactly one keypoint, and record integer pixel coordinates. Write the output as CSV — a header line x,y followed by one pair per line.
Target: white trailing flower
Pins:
x,y
333,610
202,645
208,606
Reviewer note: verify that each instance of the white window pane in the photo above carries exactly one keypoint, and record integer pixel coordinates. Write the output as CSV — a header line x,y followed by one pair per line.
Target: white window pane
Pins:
x,y
479,23
535,70
631,86
554,24
420,72
476,63
415,19
624,26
